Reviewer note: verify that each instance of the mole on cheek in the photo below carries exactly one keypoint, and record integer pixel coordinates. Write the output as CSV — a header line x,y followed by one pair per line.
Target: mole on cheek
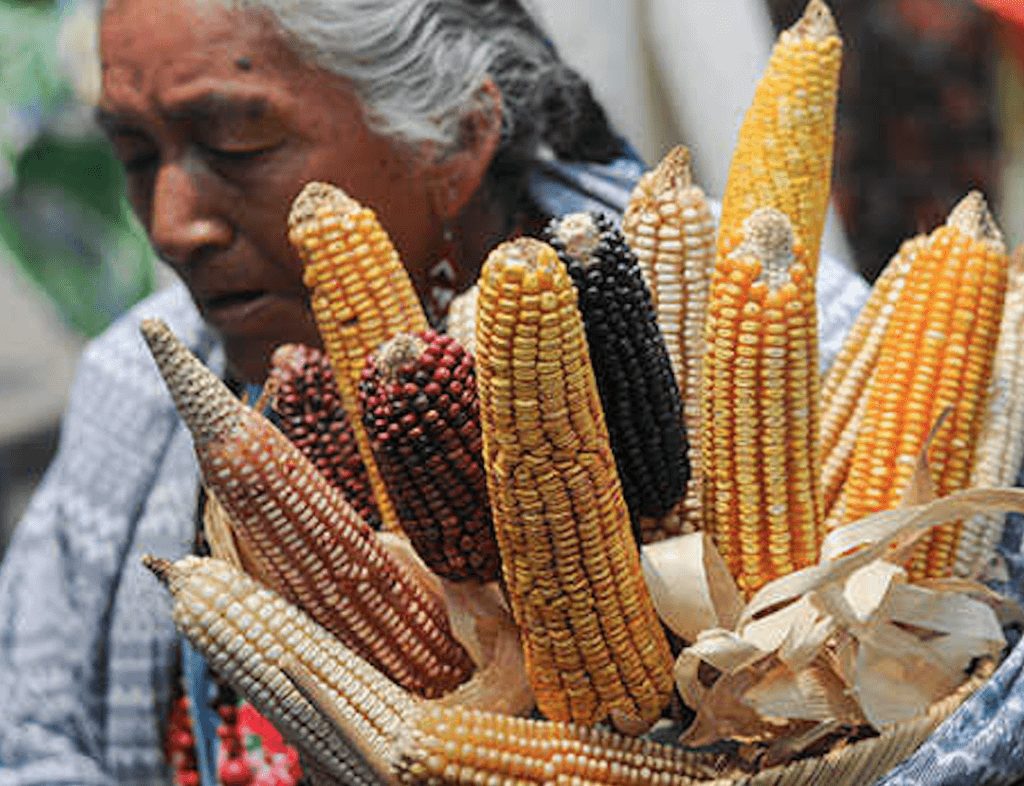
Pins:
x,y
243,64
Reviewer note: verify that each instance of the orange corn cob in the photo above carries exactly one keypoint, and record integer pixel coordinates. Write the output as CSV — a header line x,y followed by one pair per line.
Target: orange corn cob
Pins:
x,y
1001,442
763,503
308,543
456,746
842,390
249,634
594,646
937,353
670,228
783,158
360,293
420,408
309,412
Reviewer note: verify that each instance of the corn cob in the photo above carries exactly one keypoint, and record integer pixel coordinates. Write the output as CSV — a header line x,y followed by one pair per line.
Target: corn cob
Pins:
x,y
457,746
1001,442
638,390
783,157
304,537
461,320
593,644
420,408
310,414
360,293
842,390
248,633
763,501
938,353
670,228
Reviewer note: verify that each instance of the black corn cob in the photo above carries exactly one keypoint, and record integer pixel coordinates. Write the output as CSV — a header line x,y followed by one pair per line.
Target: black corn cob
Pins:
x,y
638,390
420,409
310,413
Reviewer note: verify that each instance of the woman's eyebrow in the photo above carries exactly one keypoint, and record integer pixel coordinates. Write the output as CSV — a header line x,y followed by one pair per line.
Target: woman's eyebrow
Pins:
x,y
218,106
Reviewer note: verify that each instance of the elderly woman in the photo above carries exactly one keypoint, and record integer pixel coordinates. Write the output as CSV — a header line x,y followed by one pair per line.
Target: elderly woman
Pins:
x,y
454,119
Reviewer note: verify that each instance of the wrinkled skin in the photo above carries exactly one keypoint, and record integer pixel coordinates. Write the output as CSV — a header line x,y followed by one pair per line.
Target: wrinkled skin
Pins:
x,y
219,125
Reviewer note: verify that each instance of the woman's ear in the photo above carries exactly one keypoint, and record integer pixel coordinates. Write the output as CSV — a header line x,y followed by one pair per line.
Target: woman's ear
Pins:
x,y
458,176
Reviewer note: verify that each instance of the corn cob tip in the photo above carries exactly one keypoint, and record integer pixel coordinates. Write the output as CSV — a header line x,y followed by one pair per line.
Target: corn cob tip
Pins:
x,y
817,22
203,401
525,254
674,171
160,567
579,235
972,217
289,357
1016,266
398,351
316,196
768,236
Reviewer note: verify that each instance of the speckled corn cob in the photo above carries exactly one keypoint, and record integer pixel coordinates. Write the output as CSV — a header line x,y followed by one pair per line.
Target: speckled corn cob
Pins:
x,y
670,228
843,387
420,408
308,543
1001,442
455,746
783,157
360,293
763,503
638,390
938,352
594,647
248,633
461,319
310,414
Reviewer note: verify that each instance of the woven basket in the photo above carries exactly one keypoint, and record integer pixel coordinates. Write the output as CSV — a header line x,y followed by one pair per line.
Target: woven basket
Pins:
x,y
860,763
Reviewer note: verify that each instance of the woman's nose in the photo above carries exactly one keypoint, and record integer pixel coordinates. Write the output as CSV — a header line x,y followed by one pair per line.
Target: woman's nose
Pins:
x,y
183,220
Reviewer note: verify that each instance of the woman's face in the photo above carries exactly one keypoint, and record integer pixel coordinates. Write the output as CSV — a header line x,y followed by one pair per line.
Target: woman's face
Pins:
x,y
219,126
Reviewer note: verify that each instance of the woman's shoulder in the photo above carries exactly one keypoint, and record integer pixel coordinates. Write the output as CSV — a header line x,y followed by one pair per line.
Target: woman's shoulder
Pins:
x,y
116,377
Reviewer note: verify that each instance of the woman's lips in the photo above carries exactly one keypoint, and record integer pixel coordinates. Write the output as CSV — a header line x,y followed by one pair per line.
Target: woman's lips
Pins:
x,y
237,310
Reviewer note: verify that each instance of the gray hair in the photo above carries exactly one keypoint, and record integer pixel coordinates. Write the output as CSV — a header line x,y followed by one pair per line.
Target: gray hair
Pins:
x,y
419,67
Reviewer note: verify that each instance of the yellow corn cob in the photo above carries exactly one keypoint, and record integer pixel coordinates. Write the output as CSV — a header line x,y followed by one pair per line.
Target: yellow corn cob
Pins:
x,y
461,321
763,502
248,634
783,157
457,746
304,538
594,646
937,353
360,293
670,228
1001,442
842,390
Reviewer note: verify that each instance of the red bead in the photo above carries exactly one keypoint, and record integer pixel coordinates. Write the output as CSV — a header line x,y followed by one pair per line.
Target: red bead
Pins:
x,y
187,778
182,741
235,772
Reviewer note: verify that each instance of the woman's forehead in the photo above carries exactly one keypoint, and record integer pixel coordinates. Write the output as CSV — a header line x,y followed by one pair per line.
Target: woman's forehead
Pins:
x,y
170,53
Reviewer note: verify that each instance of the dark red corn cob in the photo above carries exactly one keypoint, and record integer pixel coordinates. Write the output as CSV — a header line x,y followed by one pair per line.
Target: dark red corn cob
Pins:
x,y
638,389
304,540
311,415
420,409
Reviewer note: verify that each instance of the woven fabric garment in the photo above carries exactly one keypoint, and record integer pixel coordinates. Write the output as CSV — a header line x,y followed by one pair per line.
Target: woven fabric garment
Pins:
x,y
86,640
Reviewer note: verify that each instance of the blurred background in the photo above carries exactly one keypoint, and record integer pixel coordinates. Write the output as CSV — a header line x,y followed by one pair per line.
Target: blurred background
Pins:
x,y
931,105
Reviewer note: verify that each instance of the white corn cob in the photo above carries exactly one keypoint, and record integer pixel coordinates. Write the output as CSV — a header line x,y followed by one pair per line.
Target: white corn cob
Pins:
x,y
462,319
249,635
669,226
1001,442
